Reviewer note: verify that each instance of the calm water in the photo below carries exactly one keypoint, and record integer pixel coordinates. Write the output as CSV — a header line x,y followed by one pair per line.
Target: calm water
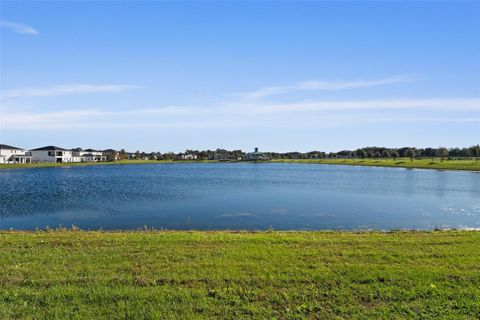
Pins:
x,y
238,196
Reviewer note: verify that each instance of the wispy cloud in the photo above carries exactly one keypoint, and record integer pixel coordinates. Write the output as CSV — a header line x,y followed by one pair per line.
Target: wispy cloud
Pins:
x,y
465,104
83,118
250,115
325,85
18,27
64,90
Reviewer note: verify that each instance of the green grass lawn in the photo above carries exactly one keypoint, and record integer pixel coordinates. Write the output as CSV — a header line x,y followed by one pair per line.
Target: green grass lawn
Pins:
x,y
239,275
471,165
436,163
107,163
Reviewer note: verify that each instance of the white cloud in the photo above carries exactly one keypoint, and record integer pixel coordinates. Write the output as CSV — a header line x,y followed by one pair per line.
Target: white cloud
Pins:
x,y
57,118
248,115
86,118
466,104
325,85
18,27
64,90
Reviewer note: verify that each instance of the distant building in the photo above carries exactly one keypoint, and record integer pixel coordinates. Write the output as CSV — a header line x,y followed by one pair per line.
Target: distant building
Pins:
x,y
11,155
55,154
92,155
188,156
60,155
256,156
88,155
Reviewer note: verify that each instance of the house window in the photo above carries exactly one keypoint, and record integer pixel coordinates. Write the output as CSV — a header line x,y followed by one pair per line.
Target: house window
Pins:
x,y
51,153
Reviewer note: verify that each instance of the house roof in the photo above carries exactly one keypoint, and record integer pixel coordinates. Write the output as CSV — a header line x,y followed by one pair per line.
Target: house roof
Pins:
x,y
20,156
50,148
6,146
92,150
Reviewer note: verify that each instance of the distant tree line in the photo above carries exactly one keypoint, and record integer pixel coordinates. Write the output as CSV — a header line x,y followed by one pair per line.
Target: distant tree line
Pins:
x,y
362,153
385,153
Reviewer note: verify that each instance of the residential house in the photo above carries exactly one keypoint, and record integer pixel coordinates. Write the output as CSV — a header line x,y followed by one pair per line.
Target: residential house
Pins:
x,y
88,155
11,155
55,154
188,156
92,155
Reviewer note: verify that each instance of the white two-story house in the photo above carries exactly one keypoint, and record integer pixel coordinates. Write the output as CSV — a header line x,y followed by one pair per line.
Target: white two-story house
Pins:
x,y
94,155
54,154
89,155
10,155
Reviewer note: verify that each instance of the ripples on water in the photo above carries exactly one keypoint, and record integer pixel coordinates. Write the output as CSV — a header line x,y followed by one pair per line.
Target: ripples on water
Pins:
x,y
238,196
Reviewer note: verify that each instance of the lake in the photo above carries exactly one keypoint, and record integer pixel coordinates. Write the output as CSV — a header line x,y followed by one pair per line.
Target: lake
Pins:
x,y
238,196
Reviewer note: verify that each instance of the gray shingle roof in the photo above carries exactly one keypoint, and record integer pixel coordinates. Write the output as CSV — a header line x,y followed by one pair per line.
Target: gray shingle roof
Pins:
x,y
6,146
50,148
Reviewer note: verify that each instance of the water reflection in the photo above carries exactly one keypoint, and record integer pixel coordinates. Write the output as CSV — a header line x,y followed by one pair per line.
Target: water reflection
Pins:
x,y
238,196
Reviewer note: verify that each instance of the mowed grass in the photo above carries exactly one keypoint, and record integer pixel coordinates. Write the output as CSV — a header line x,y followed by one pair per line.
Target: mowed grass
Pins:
x,y
80,164
435,163
239,275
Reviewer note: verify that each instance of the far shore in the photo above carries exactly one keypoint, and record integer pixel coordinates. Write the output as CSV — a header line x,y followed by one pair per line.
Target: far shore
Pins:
x,y
435,163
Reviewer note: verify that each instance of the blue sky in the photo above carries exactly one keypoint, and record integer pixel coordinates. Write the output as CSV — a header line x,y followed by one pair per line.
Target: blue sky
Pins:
x,y
166,76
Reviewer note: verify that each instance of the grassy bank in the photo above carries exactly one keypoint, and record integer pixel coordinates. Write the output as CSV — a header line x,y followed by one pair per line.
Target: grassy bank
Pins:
x,y
82,164
222,275
471,165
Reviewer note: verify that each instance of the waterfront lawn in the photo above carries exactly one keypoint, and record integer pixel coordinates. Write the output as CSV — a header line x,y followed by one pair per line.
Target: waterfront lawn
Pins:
x,y
78,164
435,163
239,275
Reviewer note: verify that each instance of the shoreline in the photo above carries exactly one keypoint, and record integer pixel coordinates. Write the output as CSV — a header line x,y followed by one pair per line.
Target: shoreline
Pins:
x,y
446,165
450,165
147,229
